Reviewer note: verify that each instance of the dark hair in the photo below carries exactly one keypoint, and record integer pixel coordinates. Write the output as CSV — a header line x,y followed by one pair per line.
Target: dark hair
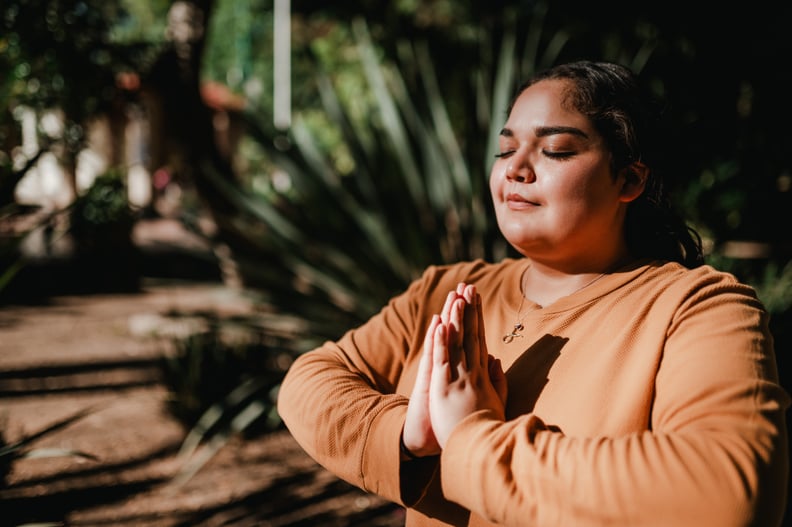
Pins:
x,y
630,121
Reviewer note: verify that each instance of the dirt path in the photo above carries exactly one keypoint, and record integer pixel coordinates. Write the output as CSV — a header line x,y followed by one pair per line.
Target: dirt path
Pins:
x,y
96,352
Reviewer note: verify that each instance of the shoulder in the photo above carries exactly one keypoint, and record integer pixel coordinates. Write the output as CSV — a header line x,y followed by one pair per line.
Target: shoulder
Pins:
x,y
702,277
705,284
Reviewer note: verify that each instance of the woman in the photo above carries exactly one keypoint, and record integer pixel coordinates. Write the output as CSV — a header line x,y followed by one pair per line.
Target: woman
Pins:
x,y
606,378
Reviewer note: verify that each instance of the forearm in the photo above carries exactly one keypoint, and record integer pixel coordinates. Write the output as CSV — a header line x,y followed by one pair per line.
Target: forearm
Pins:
x,y
342,422
520,472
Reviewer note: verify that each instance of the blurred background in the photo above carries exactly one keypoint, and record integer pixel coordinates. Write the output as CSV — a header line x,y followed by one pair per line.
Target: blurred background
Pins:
x,y
312,159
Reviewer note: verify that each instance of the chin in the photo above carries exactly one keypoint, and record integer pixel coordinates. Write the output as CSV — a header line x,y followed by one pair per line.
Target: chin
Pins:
x,y
521,252
520,244
516,232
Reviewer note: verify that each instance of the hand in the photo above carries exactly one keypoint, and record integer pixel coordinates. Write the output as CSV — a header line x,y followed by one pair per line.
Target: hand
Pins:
x,y
463,377
417,434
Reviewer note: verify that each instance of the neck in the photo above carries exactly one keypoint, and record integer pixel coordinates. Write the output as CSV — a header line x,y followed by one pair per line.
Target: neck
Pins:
x,y
544,284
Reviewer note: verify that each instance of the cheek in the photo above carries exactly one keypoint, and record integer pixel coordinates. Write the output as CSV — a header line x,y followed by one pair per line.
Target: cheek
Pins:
x,y
590,187
494,179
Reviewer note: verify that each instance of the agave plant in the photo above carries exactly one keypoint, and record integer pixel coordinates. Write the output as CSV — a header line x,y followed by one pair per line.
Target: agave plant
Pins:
x,y
324,248
328,249
332,247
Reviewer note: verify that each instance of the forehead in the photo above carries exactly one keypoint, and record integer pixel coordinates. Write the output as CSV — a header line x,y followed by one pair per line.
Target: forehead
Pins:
x,y
546,103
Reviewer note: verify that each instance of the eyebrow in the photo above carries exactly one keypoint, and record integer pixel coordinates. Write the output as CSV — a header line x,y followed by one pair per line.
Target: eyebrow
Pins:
x,y
544,131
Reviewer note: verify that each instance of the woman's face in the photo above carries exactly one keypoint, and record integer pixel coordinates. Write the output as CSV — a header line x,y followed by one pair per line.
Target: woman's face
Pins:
x,y
554,195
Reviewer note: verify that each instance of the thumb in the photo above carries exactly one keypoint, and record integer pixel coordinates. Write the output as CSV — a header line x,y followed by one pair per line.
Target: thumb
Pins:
x,y
498,378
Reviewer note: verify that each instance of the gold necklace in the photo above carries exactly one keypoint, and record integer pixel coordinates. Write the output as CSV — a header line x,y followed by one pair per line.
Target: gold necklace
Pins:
x,y
518,326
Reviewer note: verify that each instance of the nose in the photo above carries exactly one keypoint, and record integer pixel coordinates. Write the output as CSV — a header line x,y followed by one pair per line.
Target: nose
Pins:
x,y
520,171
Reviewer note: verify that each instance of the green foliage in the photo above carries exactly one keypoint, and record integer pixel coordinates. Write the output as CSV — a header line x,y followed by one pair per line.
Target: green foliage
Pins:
x,y
102,215
63,55
384,170
386,177
770,277
139,22
774,287
361,195
239,49
45,45
105,201
100,223
223,380
208,364
357,208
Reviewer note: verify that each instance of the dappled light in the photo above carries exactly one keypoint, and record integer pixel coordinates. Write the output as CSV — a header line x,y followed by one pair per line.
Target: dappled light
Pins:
x,y
194,193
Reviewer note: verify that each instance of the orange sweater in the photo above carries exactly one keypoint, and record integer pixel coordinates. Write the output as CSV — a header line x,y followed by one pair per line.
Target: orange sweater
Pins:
x,y
650,397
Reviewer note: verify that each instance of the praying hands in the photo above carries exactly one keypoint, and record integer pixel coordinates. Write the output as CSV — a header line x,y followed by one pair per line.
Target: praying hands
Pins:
x,y
456,375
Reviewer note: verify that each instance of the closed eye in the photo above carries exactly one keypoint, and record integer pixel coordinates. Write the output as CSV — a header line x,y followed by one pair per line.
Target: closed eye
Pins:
x,y
558,155
504,154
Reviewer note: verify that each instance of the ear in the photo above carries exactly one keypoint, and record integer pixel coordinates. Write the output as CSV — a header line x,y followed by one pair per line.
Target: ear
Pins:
x,y
634,178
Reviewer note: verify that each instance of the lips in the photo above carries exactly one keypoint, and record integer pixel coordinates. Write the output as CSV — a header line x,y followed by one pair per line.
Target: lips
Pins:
x,y
516,200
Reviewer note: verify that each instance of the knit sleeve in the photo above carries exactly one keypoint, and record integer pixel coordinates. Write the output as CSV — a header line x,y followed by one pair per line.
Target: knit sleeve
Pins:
x,y
715,452
341,403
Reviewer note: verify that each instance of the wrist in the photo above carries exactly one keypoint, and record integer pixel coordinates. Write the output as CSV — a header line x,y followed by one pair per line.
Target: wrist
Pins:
x,y
405,453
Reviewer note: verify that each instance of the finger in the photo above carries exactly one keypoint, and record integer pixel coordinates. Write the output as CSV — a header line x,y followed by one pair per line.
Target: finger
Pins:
x,y
482,340
417,433
427,344
475,343
456,331
468,293
498,379
460,290
445,315
425,363
440,358
470,341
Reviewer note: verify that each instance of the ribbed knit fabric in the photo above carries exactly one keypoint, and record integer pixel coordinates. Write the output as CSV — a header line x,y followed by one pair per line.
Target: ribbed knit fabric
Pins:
x,y
649,398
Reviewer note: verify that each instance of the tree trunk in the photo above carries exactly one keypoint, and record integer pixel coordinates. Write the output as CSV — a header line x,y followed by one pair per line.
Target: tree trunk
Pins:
x,y
183,133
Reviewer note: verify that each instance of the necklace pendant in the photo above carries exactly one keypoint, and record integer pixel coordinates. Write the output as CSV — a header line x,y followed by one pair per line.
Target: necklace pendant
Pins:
x,y
508,337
